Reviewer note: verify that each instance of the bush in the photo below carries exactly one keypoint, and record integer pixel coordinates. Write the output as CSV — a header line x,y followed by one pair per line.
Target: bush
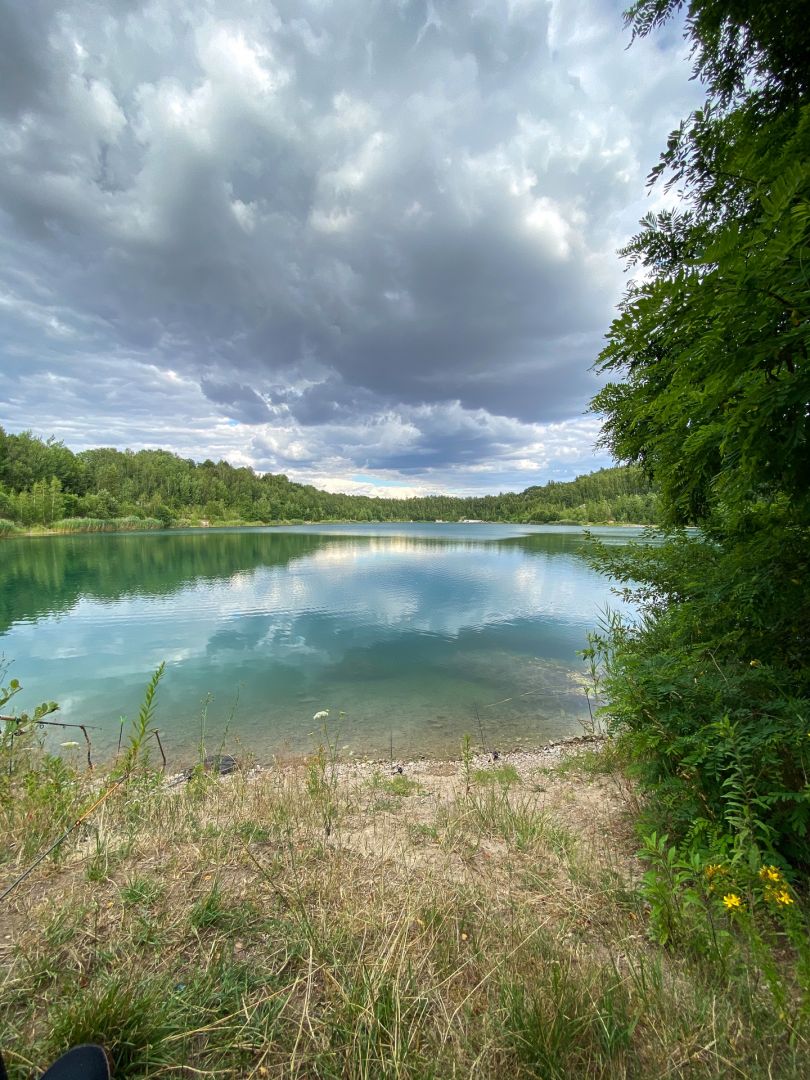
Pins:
x,y
710,688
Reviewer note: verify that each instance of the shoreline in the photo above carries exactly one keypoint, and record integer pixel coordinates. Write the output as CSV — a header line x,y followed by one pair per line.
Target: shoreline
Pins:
x,y
34,534
544,756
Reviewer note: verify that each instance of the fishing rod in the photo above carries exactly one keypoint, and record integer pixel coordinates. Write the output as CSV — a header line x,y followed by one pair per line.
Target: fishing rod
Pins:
x,y
63,837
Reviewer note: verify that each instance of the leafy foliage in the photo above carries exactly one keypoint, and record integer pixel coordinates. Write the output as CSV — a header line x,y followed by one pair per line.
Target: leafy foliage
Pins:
x,y
711,688
712,343
739,42
142,727
701,690
44,483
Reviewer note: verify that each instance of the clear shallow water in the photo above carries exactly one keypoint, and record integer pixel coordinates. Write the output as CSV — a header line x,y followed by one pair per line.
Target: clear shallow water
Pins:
x,y
410,631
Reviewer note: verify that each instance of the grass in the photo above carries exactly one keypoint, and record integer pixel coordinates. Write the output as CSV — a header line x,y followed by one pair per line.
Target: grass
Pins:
x,y
123,524
607,760
141,890
399,785
322,921
504,775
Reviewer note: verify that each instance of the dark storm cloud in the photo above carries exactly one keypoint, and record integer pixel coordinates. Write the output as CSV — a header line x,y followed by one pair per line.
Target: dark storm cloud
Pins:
x,y
243,403
384,231
24,73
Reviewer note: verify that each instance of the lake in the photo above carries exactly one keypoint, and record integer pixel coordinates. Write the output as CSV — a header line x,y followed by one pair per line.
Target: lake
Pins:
x,y
409,635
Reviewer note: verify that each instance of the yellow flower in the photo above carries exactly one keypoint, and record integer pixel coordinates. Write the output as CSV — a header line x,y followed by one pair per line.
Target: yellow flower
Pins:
x,y
783,897
769,873
732,901
755,663
713,869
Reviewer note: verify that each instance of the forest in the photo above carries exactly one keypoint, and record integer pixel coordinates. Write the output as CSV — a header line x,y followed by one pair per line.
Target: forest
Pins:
x,y
43,483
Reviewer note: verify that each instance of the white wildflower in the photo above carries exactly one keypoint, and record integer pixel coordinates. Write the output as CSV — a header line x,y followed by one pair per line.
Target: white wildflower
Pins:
x,y
322,715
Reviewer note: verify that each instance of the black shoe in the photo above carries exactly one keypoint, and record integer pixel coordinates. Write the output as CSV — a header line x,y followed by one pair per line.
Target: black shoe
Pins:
x,y
87,1062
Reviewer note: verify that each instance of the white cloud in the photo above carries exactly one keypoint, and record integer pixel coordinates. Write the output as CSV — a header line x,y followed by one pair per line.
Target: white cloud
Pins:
x,y
330,239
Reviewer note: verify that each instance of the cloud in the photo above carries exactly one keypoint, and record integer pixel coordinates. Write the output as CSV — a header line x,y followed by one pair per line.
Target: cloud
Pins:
x,y
379,236
242,402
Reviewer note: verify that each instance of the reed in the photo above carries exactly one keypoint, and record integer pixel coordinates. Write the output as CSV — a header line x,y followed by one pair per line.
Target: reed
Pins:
x,y
89,525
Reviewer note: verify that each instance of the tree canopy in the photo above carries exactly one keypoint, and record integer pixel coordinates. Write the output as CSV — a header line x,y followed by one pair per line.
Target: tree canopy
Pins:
x,y
42,481
710,395
712,337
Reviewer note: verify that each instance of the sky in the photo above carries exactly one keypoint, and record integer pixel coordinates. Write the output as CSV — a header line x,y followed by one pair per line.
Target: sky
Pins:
x,y
370,244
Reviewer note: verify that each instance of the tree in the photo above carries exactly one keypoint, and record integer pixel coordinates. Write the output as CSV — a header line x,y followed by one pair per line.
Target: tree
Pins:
x,y
710,396
103,482
712,342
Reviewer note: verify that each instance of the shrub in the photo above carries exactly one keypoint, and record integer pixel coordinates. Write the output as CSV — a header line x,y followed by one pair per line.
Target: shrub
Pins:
x,y
125,524
710,692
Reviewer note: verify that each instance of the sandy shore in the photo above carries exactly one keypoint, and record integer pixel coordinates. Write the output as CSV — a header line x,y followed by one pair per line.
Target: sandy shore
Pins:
x,y
361,768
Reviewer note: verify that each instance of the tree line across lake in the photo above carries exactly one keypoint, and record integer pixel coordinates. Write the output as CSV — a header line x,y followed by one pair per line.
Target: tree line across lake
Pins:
x,y
43,483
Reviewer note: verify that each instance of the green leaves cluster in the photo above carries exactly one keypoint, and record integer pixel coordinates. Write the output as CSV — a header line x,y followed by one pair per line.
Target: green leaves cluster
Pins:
x,y
143,727
711,344
44,483
711,397
702,691
24,722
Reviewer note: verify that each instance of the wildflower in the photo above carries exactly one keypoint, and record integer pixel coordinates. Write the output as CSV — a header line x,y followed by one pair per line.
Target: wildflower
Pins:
x,y
322,715
769,873
783,897
732,901
713,869
755,663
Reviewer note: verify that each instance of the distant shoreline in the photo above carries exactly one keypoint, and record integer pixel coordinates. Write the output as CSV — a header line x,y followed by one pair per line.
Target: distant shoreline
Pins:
x,y
214,526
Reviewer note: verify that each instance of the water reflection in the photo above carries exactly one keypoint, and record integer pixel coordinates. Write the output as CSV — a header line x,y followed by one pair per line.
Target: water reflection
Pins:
x,y
405,629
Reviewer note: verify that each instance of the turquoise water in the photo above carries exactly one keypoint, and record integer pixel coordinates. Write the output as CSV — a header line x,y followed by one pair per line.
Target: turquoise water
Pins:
x,y
407,634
